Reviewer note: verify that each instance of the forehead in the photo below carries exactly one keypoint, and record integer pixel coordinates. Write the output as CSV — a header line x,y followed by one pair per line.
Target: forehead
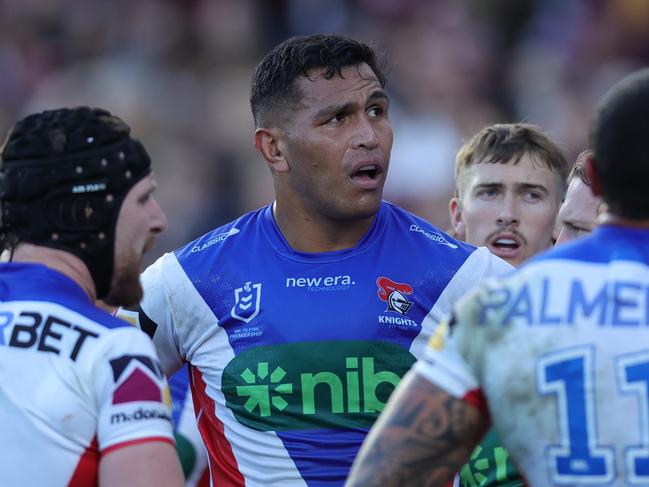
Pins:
x,y
579,201
526,171
356,83
144,185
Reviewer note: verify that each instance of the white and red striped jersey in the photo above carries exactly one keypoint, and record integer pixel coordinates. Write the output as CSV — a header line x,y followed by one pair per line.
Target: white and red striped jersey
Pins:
x,y
75,382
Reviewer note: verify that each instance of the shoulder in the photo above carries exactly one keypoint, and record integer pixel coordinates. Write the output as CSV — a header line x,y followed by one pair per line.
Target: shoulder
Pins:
x,y
130,341
201,252
101,317
418,229
579,250
234,230
90,334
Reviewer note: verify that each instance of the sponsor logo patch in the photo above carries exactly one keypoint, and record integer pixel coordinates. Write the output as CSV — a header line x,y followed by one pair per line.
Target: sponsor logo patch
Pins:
x,y
321,283
139,415
332,384
246,302
214,240
6,318
137,378
394,295
89,187
435,237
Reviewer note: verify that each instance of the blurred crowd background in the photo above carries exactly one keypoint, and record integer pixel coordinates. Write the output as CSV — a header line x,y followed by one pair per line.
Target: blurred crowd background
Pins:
x,y
178,71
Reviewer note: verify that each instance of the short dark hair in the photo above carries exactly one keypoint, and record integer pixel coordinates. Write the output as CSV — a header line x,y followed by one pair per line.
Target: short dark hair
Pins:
x,y
273,90
504,142
620,142
578,170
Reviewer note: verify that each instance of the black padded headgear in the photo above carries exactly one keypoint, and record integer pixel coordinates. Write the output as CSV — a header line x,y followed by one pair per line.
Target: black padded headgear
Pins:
x,y
64,175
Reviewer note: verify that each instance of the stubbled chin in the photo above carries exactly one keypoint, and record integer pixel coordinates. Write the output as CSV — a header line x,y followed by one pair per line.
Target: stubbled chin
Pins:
x,y
125,288
513,256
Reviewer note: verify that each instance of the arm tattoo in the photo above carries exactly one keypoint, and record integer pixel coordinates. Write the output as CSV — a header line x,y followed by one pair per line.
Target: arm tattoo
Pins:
x,y
422,438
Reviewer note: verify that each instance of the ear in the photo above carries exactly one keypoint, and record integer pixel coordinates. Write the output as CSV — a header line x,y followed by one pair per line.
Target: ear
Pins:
x,y
593,176
268,143
455,210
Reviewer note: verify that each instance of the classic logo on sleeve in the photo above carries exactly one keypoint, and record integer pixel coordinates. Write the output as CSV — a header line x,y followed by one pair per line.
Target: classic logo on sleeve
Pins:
x,y
138,378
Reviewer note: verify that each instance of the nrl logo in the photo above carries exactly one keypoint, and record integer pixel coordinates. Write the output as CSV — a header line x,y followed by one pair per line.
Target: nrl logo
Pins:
x,y
394,294
246,302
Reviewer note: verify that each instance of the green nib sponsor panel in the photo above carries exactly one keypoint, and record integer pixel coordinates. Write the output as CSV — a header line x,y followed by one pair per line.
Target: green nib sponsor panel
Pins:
x,y
490,465
309,385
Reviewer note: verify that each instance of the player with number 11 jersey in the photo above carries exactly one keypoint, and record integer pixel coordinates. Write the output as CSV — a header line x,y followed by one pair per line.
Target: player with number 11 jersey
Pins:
x,y
574,323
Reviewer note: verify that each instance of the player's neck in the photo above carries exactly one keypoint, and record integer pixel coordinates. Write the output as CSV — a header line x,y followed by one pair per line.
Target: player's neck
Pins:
x,y
59,260
305,232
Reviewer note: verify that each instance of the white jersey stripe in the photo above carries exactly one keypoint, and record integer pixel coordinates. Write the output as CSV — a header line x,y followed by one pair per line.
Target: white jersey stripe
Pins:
x,y
260,455
479,265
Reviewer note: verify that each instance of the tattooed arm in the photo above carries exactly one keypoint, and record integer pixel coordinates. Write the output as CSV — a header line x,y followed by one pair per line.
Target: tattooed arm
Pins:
x,y
422,438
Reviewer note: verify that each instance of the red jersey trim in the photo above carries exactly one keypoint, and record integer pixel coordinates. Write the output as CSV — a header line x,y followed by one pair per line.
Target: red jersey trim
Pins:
x,y
476,398
135,442
87,472
224,468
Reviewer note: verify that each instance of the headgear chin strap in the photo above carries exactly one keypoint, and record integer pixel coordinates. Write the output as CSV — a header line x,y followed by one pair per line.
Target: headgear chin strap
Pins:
x,y
72,202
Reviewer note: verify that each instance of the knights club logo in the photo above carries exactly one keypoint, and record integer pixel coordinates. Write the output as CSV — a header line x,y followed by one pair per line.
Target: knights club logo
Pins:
x,y
246,302
394,294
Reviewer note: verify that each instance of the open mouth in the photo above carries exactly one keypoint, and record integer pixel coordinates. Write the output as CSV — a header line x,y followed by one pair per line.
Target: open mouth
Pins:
x,y
367,177
507,244
367,172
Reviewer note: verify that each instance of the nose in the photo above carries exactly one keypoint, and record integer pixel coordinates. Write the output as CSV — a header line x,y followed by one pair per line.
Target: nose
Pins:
x,y
365,136
508,215
158,221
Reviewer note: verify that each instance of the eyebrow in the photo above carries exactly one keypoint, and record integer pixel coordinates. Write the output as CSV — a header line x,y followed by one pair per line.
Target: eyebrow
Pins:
x,y
488,186
528,186
517,186
331,110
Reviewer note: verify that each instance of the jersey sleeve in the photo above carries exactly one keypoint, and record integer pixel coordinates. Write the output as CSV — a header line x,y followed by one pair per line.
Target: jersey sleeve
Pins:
x,y
451,359
131,392
478,267
488,265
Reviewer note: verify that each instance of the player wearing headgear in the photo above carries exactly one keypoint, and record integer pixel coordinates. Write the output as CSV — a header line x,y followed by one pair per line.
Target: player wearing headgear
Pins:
x,y
82,396
570,401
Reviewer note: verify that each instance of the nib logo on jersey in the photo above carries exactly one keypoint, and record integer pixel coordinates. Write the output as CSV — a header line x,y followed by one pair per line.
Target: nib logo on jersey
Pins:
x,y
394,294
343,384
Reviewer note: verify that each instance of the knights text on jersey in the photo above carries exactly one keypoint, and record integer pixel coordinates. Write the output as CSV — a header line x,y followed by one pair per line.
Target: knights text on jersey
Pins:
x,y
75,382
560,351
293,355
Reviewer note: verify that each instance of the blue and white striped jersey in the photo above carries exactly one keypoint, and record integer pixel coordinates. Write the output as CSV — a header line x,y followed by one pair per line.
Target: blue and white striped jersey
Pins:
x,y
293,355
